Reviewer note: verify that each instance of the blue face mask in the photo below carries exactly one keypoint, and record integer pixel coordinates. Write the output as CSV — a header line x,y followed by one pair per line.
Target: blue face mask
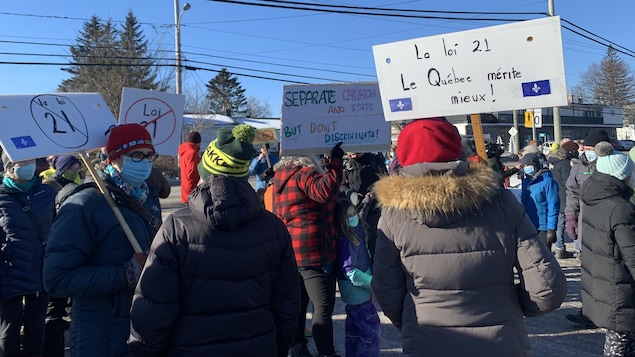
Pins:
x,y
24,172
529,170
590,155
135,173
353,221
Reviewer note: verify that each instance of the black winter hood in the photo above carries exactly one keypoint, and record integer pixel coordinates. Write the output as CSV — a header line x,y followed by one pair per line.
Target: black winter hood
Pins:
x,y
224,202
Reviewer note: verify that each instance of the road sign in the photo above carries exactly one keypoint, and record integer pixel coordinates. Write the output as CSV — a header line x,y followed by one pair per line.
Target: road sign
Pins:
x,y
513,131
529,118
534,116
538,118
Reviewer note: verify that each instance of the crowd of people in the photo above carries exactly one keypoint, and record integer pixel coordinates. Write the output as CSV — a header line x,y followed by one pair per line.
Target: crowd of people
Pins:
x,y
451,257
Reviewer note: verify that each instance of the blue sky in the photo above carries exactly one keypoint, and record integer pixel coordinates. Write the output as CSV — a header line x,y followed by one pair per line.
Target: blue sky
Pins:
x,y
278,43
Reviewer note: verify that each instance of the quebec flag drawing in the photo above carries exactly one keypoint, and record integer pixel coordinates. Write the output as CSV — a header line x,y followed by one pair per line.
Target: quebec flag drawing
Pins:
x,y
22,142
532,89
400,105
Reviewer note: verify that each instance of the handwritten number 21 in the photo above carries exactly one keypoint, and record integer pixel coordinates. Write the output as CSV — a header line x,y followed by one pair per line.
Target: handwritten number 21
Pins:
x,y
477,44
55,129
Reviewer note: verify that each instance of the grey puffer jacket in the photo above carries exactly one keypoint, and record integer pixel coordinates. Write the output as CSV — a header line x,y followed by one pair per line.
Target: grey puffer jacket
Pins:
x,y
444,266
221,279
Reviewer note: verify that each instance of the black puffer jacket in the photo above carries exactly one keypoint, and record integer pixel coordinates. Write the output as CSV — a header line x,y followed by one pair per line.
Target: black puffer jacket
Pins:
x,y
608,248
560,167
220,280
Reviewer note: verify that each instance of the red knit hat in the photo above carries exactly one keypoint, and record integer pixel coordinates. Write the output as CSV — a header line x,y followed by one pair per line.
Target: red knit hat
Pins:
x,y
125,138
428,140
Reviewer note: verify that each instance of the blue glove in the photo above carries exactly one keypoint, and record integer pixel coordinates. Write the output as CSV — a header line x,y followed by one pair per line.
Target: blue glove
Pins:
x,y
359,278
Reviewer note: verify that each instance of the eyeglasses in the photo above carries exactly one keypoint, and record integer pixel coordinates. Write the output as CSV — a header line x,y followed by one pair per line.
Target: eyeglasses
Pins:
x,y
137,156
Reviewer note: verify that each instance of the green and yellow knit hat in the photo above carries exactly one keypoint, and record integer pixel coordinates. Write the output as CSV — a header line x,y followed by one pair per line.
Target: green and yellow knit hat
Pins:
x,y
230,153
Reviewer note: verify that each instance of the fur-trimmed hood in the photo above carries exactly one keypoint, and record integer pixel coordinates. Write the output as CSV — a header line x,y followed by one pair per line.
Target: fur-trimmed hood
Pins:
x,y
436,199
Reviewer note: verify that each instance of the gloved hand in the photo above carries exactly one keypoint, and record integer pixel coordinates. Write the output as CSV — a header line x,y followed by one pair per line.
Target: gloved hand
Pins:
x,y
571,225
337,151
359,278
134,268
550,237
267,173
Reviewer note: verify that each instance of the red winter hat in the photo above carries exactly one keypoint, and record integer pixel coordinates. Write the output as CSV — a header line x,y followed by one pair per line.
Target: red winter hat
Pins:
x,y
428,140
125,138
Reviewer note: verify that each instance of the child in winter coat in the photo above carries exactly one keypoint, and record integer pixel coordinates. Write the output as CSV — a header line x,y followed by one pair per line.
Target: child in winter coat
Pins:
x,y
354,276
539,196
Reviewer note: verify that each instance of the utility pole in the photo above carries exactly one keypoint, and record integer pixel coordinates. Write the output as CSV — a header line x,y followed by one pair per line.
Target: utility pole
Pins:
x,y
516,137
557,136
177,41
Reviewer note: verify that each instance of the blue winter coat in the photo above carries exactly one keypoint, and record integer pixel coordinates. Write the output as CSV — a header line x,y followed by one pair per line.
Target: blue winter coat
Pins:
x,y
22,249
85,259
540,198
257,167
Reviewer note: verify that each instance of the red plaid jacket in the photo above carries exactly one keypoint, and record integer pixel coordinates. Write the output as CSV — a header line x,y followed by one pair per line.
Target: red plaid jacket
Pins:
x,y
305,201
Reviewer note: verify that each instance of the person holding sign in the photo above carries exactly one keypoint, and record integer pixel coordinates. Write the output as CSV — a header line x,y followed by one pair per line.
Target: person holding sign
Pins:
x,y
189,158
449,239
261,166
27,209
221,279
304,198
89,256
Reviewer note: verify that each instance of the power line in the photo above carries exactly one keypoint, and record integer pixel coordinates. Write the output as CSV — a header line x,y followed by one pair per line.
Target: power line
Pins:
x,y
404,10
153,65
335,11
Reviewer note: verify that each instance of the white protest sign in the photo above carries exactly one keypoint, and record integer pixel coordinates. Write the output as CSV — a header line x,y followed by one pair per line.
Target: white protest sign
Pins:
x,y
497,68
39,125
316,117
161,113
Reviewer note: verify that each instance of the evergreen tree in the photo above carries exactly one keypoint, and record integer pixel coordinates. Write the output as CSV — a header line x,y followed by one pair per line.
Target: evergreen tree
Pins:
x,y
106,59
139,71
610,82
226,95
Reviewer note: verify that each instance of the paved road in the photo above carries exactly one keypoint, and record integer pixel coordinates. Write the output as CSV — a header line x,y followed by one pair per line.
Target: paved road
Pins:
x,y
551,335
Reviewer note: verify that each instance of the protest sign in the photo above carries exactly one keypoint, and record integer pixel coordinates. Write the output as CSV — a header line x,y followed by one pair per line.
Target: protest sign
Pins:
x,y
265,135
39,125
316,117
497,68
160,112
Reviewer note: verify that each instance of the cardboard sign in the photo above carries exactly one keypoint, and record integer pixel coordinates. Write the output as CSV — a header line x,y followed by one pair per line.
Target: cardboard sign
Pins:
x,y
39,125
497,68
161,113
266,135
316,117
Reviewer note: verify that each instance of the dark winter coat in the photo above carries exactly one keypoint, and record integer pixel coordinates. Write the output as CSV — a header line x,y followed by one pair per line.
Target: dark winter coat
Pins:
x,y
560,167
445,258
608,267
362,172
304,198
539,196
221,279
581,170
23,245
85,259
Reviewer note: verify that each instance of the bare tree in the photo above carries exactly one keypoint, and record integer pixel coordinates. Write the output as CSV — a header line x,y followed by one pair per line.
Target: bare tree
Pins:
x,y
610,82
257,108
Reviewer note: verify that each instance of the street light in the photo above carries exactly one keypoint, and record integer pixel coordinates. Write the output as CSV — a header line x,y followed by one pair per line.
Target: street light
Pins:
x,y
177,40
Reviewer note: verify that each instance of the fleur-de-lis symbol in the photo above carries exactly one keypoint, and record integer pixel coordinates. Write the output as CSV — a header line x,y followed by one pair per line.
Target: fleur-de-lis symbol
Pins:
x,y
535,88
400,105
